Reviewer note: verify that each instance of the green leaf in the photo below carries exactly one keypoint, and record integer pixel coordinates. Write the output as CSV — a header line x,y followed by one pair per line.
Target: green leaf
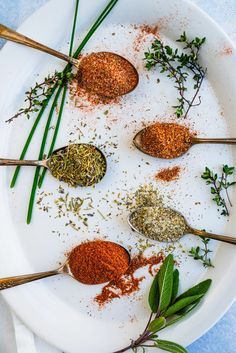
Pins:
x,y
153,298
200,288
157,324
182,313
180,304
175,285
165,282
170,346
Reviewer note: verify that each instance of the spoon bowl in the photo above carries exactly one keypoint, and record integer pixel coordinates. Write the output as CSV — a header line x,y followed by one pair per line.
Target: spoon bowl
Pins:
x,y
46,162
188,229
9,282
94,82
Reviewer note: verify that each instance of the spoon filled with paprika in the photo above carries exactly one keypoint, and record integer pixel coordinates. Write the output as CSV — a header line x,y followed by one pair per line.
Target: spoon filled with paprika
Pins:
x,y
103,73
91,263
167,225
171,140
77,164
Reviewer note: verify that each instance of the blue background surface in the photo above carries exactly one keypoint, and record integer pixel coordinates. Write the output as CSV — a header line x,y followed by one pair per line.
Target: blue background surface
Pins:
x,y
222,337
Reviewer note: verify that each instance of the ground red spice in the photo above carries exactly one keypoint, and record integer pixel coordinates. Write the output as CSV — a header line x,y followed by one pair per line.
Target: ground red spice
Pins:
x,y
128,283
166,140
227,51
168,174
107,74
98,262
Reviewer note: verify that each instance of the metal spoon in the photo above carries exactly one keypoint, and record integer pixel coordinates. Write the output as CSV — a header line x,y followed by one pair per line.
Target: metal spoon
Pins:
x,y
13,36
9,282
189,230
194,141
43,163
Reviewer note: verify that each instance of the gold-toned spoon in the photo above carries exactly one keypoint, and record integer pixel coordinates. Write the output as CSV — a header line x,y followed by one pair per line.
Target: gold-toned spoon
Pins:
x,y
67,269
167,231
95,81
137,140
48,163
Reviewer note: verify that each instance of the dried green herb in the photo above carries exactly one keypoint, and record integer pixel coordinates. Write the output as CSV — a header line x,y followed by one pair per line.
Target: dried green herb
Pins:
x,y
219,185
180,67
202,254
159,223
167,308
78,165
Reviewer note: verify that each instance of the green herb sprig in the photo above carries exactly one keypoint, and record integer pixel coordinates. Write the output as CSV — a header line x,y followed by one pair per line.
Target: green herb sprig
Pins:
x,y
167,308
219,186
179,66
202,254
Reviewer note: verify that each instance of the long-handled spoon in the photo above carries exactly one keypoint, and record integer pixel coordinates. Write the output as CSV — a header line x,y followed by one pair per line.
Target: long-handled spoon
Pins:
x,y
186,230
9,282
194,141
46,162
129,73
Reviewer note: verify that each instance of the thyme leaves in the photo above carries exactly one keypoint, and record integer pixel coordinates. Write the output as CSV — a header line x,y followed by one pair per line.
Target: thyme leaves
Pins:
x,y
180,67
202,254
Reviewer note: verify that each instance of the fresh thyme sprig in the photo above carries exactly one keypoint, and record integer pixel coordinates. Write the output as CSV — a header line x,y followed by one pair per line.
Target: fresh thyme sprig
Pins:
x,y
219,185
167,308
38,95
178,67
202,254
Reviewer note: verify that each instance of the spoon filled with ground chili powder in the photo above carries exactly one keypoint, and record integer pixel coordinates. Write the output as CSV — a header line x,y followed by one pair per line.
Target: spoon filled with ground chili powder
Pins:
x,y
93,262
104,73
170,140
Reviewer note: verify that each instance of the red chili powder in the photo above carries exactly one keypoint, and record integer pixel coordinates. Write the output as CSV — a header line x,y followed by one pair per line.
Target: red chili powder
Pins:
x,y
168,174
98,261
128,283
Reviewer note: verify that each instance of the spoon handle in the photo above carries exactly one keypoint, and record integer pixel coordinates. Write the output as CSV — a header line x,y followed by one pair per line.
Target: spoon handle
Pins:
x,y
12,162
10,282
9,34
223,238
227,141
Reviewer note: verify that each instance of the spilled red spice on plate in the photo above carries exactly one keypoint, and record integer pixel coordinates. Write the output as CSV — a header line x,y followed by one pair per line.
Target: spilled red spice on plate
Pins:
x,y
128,283
168,174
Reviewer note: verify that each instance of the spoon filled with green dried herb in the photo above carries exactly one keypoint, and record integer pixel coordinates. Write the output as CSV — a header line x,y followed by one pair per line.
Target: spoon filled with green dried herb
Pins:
x,y
167,225
77,164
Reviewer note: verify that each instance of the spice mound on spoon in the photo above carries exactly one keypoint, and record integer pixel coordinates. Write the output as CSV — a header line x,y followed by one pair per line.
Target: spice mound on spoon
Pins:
x,y
90,263
107,74
103,73
167,225
78,164
171,140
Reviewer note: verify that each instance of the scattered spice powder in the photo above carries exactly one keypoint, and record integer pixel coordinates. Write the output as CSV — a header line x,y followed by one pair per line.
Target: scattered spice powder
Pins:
x,y
107,74
98,261
166,140
128,283
168,174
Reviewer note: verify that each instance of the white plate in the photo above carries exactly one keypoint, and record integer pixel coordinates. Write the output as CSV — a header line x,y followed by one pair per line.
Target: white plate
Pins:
x,y
58,309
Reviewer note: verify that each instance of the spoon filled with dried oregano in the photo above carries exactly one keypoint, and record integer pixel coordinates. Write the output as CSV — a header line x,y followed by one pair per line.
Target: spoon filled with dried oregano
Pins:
x,y
104,73
171,140
78,164
167,225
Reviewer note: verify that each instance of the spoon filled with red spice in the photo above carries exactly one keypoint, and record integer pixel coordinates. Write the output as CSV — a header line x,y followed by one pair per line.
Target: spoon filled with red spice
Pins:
x,y
91,263
104,73
171,140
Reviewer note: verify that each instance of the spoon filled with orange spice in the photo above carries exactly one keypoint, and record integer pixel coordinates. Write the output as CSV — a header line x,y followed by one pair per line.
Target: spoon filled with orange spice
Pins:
x,y
91,263
171,140
103,73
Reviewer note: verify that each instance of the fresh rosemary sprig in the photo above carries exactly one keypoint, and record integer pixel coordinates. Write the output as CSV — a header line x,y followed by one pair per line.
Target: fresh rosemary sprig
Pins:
x,y
219,185
179,67
167,308
38,95
202,254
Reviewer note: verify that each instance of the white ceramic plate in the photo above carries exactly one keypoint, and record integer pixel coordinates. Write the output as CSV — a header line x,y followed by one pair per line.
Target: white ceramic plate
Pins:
x,y
58,309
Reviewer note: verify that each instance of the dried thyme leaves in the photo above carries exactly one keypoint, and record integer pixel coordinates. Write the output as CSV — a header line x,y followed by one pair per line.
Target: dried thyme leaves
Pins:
x,y
78,165
159,223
